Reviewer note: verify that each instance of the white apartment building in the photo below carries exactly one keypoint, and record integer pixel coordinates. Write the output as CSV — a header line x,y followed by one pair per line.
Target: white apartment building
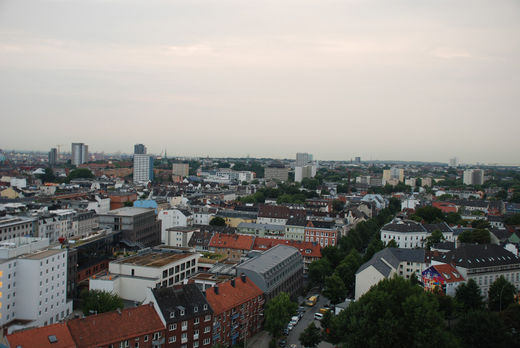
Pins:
x,y
484,263
387,263
58,223
32,283
16,226
174,218
473,177
409,234
131,276
143,168
179,236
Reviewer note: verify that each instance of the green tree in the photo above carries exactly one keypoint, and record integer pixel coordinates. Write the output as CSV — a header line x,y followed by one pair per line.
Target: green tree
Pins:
x,y
311,336
319,270
217,221
48,176
278,313
346,270
430,214
513,219
511,318
468,295
96,301
482,329
392,244
479,236
501,294
434,238
335,289
393,313
81,173
454,219
480,224
337,205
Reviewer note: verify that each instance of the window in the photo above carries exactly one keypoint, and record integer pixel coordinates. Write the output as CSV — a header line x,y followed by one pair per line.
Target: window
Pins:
x,y
173,327
146,338
207,317
172,339
206,341
195,344
196,321
205,307
207,329
195,309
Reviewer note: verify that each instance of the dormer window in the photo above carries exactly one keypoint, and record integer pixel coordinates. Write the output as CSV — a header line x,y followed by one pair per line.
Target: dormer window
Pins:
x,y
182,311
205,307
195,309
172,314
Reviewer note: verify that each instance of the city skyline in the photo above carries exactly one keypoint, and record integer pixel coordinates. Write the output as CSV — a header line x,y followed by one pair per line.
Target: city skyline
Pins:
x,y
409,81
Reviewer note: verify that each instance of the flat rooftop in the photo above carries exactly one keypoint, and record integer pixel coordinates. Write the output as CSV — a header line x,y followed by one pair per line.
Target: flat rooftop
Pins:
x,y
43,254
128,211
182,229
154,259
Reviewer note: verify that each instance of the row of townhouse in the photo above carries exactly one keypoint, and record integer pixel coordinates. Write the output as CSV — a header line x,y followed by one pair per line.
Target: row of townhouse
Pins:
x,y
174,317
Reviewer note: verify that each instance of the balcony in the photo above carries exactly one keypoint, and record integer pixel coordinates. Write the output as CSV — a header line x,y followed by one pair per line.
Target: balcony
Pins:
x,y
158,342
196,337
184,339
184,327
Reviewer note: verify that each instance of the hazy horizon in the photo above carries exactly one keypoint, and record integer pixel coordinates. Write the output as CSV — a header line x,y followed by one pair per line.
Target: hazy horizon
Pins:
x,y
410,80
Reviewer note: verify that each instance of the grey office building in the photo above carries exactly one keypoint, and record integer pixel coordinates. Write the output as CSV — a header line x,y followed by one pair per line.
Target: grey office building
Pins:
x,y
279,269
53,157
79,153
139,226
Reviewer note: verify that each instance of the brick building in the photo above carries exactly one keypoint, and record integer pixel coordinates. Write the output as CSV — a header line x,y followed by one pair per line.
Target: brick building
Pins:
x,y
237,310
186,314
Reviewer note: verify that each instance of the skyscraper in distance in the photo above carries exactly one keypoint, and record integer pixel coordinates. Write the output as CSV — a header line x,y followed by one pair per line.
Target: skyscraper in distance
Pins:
x,y
139,149
53,157
79,154
143,168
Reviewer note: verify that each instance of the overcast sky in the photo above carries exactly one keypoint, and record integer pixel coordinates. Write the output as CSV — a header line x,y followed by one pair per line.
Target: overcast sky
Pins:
x,y
409,80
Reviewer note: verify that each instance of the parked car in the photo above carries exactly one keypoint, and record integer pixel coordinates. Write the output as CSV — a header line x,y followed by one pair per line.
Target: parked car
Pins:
x,y
294,320
282,343
318,316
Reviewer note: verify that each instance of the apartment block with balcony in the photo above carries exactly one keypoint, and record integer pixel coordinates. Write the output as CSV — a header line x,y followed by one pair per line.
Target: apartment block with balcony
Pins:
x,y
237,310
186,314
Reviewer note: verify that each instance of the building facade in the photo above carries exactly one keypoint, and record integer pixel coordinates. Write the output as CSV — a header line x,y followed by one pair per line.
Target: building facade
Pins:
x,y
79,154
32,283
139,226
185,313
143,168
237,310
131,276
278,269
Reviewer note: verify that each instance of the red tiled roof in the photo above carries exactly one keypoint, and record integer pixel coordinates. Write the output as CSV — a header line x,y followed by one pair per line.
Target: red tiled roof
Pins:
x,y
449,273
263,244
102,329
231,241
39,337
229,296
274,211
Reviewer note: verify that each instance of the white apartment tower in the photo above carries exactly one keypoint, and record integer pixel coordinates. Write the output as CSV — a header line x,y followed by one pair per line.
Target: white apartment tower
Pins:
x,y
143,168
33,280
473,177
303,159
79,153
